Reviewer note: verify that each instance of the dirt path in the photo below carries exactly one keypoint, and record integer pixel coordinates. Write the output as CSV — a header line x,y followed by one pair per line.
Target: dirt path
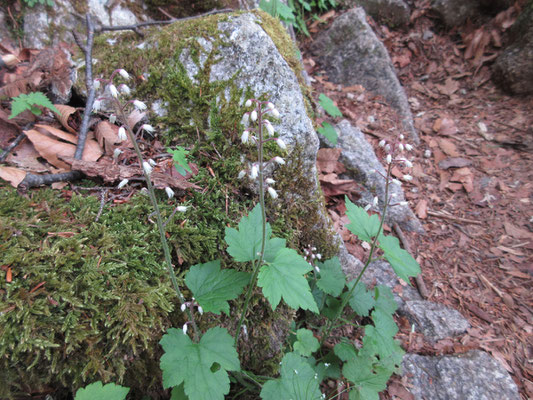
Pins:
x,y
473,190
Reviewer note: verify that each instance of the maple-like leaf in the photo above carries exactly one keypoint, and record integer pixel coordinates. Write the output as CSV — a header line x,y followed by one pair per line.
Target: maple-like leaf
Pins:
x,y
400,260
201,367
306,343
332,279
29,101
97,390
180,160
361,224
213,287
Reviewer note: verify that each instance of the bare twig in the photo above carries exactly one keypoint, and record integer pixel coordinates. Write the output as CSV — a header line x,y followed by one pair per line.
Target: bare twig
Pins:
x,y
453,218
422,289
11,146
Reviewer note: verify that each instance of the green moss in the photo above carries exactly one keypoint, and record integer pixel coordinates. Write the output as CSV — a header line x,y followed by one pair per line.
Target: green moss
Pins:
x,y
114,299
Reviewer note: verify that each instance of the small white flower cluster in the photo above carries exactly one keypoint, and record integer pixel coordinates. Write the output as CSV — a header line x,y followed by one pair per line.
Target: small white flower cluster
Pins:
x,y
249,136
393,155
191,305
311,256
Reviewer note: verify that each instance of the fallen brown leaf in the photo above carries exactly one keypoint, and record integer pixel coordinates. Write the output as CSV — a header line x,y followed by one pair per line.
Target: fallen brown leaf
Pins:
x,y
13,175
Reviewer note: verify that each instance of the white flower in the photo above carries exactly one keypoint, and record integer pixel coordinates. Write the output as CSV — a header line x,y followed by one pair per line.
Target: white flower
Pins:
x,y
122,183
185,329
408,163
96,84
270,106
113,90
389,158
183,307
123,73
279,160
407,177
427,153
181,208
117,152
147,168
254,172
125,89
375,201
270,128
248,103
244,137
112,118
396,181
170,192
408,147
400,146
319,256
327,365
402,137
152,162
275,113
148,128
281,144
403,203
367,207
270,181
382,143
122,134
200,310
241,175
97,105
139,105
272,192
253,116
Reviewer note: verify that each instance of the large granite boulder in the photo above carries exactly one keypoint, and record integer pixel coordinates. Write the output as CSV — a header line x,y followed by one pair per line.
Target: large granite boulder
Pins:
x,y
394,13
513,69
351,54
456,12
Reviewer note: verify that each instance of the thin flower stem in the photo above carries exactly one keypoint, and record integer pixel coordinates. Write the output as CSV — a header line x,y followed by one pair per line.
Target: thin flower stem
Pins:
x,y
159,219
256,266
368,261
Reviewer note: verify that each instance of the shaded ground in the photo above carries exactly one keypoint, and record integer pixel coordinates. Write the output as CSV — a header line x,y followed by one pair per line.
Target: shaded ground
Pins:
x,y
473,189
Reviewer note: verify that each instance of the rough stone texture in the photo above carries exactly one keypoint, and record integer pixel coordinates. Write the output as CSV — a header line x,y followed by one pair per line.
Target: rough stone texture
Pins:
x,y
359,159
394,13
41,23
471,376
455,12
5,35
435,321
351,54
513,69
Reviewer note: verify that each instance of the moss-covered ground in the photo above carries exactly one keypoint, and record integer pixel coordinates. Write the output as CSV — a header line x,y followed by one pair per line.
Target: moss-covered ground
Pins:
x,y
89,300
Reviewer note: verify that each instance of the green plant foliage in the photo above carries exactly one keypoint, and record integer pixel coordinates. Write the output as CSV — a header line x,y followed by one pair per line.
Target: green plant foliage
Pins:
x,y
365,226
332,279
277,8
306,344
298,381
96,390
31,3
212,287
400,260
329,106
180,160
30,102
244,244
367,379
284,277
201,367
329,132
361,300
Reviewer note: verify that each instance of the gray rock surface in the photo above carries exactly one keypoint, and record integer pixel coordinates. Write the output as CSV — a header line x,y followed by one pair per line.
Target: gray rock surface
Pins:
x,y
393,13
351,54
362,165
455,12
434,320
513,69
44,26
471,376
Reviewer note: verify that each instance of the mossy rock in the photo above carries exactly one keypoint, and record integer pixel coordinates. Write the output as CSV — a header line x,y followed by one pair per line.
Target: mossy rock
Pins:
x,y
106,299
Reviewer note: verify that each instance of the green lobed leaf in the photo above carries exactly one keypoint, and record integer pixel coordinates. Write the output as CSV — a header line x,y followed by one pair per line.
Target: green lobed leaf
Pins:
x,y
284,277
96,390
25,102
212,287
368,381
332,279
178,393
345,350
380,337
400,260
180,160
201,367
244,244
298,381
361,224
277,8
272,247
361,300
329,132
328,105
306,344
385,299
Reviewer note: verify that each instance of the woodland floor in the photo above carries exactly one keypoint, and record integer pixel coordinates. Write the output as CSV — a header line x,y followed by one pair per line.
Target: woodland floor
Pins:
x,y
472,189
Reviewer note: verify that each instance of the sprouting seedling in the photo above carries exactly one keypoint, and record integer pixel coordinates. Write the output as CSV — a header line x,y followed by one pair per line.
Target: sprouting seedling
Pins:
x,y
31,101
